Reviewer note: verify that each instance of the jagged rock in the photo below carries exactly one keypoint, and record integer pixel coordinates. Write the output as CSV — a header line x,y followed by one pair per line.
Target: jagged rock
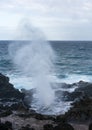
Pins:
x,y
6,126
90,127
60,119
27,127
81,110
48,127
63,126
13,99
5,113
67,96
10,98
43,117
7,90
73,96
84,87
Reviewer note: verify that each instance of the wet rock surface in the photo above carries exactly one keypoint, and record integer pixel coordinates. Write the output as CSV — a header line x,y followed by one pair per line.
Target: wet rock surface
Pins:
x,y
7,90
63,126
6,126
14,108
81,89
81,110
10,98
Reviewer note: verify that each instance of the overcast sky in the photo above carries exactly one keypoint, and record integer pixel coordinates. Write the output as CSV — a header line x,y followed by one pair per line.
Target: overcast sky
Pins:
x,y
58,19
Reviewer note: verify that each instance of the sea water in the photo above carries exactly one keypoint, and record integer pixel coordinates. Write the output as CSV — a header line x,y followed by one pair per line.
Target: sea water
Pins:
x,y
72,64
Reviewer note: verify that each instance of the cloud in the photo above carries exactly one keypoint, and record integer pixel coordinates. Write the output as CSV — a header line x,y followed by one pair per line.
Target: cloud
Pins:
x,y
74,9
71,9
58,18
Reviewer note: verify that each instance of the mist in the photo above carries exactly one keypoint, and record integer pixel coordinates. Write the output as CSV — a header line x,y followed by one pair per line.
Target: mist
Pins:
x,y
35,58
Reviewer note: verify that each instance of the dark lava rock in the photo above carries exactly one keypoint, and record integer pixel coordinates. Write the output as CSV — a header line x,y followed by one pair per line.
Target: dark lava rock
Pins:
x,y
48,127
90,127
81,110
84,87
67,96
7,90
39,116
6,126
64,126
10,97
5,113
60,119
26,114
73,96
43,117
27,127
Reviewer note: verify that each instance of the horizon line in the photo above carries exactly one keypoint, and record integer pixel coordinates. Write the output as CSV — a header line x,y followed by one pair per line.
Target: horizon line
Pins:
x,y
52,40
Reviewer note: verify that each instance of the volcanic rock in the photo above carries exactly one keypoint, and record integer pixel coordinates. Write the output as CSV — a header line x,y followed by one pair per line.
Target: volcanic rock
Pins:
x,y
90,127
84,87
64,126
7,90
6,126
27,127
10,98
81,110
48,127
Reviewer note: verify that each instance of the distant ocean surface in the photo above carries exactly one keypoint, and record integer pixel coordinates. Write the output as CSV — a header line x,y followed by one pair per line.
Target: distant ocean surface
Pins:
x,y
73,63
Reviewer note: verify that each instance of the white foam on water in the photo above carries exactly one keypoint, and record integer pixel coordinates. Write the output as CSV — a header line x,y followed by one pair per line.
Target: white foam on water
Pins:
x,y
72,78
57,107
20,82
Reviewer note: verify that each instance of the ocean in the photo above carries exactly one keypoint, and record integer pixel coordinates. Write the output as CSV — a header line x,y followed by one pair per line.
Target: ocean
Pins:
x,y
73,63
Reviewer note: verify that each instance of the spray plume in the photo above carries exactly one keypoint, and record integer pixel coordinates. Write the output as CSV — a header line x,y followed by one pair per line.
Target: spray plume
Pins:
x,y
35,58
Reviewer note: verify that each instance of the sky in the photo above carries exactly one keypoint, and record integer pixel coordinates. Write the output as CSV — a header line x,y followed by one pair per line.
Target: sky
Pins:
x,y
58,19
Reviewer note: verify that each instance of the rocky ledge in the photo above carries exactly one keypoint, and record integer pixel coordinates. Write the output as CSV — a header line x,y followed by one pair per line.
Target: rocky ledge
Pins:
x,y
10,98
15,113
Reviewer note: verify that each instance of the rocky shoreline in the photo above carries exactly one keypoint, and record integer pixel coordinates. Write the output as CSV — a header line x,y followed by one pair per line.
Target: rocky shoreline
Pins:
x,y
16,115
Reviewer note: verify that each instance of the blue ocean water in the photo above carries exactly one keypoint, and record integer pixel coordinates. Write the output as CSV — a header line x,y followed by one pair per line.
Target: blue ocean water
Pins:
x,y
73,62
